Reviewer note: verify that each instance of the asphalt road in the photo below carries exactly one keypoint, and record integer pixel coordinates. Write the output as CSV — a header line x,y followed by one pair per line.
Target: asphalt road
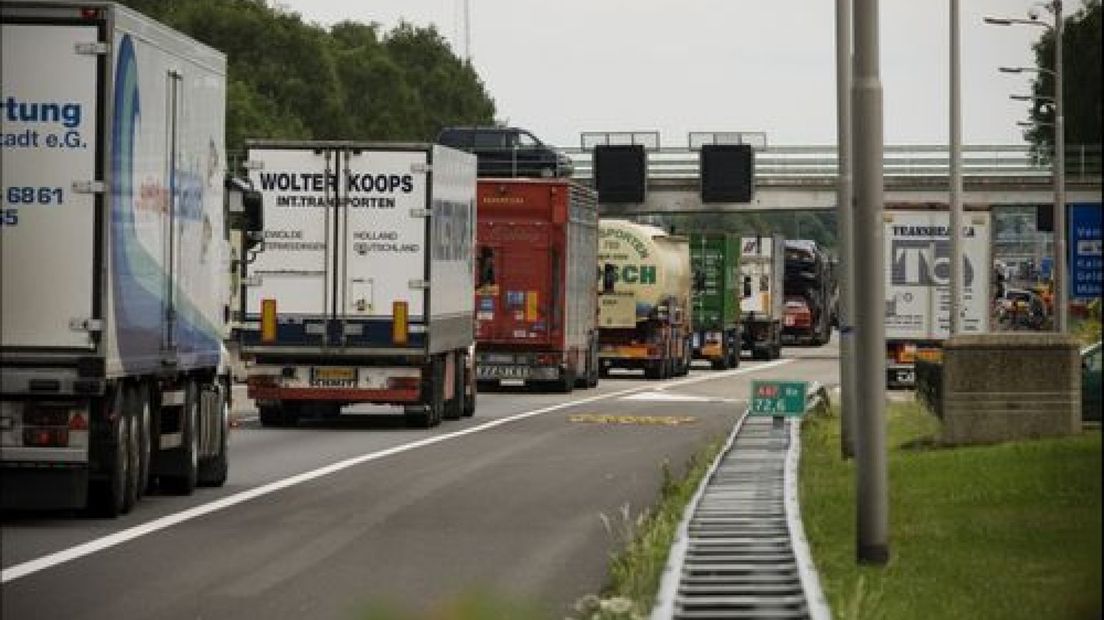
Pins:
x,y
329,520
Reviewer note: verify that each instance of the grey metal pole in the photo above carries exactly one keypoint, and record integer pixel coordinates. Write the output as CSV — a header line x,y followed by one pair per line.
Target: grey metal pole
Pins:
x,y
1061,281
955,153
870,466
845,223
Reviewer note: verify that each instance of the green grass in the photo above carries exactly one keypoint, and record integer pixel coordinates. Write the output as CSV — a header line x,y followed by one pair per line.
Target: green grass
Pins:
x,y
1006,531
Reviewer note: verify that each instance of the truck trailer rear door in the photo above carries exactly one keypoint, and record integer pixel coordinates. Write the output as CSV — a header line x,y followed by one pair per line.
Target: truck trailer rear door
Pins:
x,y
295,267
49,215
382,242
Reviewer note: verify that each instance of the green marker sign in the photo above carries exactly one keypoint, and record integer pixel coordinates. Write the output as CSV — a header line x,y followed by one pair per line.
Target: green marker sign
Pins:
x,y
778,398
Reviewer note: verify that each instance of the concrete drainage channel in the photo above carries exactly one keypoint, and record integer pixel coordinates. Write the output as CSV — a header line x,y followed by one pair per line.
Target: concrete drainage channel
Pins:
x,y
740,551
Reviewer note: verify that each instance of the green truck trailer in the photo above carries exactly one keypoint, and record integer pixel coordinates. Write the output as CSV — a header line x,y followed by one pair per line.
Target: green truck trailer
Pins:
x,y
715,265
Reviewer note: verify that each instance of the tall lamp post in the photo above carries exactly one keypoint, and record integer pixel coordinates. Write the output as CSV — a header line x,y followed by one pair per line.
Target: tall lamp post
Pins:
x,y
1061,277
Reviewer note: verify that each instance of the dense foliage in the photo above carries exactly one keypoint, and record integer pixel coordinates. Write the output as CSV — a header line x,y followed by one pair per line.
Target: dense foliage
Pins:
x,y
1081,51
290,79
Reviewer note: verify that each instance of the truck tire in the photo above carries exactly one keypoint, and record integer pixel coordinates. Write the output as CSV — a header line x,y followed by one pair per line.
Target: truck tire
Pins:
x,y
108,496
469,399
183,480
213,471
454,409
654,370
271,416
566,383
143,409
429,414
592,367
133,450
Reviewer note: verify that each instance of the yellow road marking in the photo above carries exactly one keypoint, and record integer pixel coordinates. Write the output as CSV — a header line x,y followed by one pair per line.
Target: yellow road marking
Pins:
x,y
653,420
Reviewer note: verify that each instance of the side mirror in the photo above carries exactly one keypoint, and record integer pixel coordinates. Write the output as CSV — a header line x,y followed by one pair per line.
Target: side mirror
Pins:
x,y
609,277
486,268
253,211
699,281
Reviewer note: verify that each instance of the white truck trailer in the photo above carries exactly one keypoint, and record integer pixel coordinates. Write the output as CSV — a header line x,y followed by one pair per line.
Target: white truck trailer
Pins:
x,y
917,285
114,258
362,287
762,276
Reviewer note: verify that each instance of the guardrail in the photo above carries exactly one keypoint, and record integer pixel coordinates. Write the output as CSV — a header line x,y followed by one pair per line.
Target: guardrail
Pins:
x,y
1083,162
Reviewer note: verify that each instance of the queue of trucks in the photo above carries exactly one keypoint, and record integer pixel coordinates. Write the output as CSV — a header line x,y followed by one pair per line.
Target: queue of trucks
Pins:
x,y
359,272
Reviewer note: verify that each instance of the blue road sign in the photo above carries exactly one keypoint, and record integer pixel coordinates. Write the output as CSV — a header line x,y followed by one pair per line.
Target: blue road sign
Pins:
x,y
1085,247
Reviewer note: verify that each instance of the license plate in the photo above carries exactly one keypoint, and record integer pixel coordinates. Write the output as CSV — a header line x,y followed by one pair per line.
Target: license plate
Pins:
x,y
502,372
905,376
333,374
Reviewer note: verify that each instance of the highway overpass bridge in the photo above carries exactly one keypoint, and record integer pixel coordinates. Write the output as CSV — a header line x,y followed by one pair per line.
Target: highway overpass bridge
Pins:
x,y
800,178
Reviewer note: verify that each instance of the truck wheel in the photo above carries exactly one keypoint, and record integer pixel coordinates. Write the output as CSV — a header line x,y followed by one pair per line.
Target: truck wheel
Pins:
x,y
183,481
108,497
566,383
455,406
133,450
469,399
270,416
145,432
213,471
429,414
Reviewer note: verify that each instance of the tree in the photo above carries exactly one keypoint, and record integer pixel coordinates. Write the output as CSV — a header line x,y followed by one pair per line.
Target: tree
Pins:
x,y
1081,66
290,79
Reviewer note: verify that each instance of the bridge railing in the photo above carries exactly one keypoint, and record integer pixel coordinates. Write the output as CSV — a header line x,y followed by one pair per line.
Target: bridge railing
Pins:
x,y
797,163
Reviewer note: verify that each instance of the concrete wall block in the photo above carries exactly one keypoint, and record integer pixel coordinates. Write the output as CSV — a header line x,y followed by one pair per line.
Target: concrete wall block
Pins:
x,y
1003,387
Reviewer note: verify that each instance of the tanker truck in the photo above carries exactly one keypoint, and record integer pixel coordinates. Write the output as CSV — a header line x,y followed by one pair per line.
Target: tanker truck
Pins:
x,y
644,315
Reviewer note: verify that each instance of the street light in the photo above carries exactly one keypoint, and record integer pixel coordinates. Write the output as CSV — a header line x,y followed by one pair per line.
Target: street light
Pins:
x,y
1060,259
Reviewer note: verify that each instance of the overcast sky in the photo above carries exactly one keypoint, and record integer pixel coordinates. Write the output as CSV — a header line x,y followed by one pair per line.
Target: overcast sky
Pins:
x,y
564,67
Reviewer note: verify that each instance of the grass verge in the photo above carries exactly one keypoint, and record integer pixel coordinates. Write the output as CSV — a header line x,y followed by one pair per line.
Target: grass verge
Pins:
x,y
1005,531
642,543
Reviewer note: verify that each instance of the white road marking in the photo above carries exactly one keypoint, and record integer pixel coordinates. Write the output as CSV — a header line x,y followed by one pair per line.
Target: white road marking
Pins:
x,y
106,542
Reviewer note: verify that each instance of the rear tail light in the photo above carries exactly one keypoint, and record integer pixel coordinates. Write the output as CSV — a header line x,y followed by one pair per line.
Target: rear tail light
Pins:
x,y
46,437
78,422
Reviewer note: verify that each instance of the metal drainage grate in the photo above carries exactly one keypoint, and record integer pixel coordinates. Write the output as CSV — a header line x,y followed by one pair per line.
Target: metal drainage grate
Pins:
x,y
736,559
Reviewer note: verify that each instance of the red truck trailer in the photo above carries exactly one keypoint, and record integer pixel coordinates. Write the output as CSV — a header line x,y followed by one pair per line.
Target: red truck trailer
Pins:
x,y
536,283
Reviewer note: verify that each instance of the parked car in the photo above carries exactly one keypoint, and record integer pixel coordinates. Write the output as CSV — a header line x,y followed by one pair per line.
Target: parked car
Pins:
x,y
1090,382
507,152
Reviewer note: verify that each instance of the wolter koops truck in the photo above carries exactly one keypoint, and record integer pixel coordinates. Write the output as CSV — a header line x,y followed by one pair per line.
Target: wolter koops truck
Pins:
x,y
715,263
114,258
361,287
536,285
644,318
